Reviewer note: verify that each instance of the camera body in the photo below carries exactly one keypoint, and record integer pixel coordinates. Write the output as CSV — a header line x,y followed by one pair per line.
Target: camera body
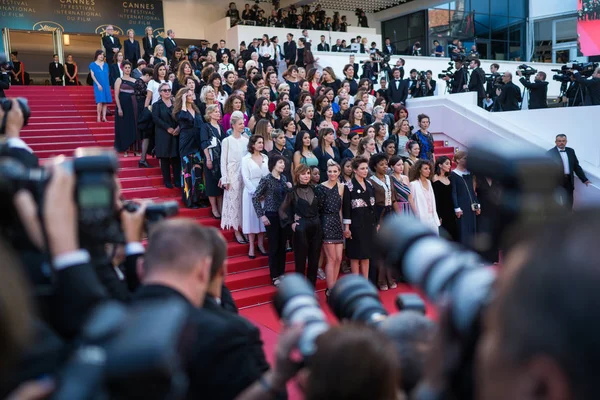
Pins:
x,y
526,70
448,72
6,105
5,64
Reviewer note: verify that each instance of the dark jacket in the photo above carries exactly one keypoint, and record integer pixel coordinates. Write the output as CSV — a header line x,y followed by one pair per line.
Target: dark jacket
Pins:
x,y
460,80
509,98
388,51
398,95
538,93
289,51
167,145
56,72
113,74
477,82
574,167
323,47
132,51
593,89
148,48
226,355
220,53
170,46
109,46
289,157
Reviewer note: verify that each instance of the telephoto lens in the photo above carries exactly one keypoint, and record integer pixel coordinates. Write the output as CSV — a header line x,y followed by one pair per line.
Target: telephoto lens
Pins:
x,y
354,298
296,303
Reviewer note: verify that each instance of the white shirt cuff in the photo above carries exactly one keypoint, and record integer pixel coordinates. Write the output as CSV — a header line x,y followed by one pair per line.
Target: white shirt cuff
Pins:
x,y
457,210
347,221
134,248
70,259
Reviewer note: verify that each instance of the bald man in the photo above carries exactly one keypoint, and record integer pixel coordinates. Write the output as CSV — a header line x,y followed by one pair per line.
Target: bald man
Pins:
x,y
509,96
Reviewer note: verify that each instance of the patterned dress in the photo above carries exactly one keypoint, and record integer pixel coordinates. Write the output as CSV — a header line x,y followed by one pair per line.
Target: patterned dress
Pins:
x,y
403,192
232,151
331,222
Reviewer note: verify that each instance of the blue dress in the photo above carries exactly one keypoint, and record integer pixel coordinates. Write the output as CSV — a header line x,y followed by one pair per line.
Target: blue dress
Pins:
x,y
101,74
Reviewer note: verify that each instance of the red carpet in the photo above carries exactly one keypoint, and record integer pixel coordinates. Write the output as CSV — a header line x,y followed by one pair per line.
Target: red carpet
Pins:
x,y
64,118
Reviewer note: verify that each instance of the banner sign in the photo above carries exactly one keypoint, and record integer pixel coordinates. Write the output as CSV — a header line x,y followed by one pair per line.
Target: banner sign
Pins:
x,y
82,16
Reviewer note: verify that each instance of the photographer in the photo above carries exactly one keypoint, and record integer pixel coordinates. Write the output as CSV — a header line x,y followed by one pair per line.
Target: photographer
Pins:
x,y
509,96
490,90
458,78
575,94
430,83
477,80
592,85
11,144
538,90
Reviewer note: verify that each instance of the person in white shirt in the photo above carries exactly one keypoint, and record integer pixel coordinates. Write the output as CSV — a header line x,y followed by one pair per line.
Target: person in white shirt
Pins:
x,y
225,65
570,166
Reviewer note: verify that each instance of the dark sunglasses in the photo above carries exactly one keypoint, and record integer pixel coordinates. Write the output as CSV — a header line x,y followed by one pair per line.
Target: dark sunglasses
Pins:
x,y
166,90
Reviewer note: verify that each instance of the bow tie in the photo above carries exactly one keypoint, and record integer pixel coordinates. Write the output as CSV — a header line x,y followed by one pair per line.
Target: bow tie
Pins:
x,y
562,151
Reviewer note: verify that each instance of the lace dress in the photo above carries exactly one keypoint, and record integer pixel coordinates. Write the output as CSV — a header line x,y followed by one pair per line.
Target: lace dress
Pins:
x,y
330,217
232,151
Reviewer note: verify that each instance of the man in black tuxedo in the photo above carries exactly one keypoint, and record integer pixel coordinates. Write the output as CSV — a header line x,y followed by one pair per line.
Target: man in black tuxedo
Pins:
x,y
567,158
477,81
459,78
170,44
538,90
397,90
337,47
57,72
226,356
218,296
222,50
111,43
323,46
592,85
289,50
389,48
509,96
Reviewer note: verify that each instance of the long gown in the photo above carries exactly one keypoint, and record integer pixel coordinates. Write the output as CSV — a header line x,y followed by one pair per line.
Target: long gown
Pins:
x,y
232,151
126,126
101,74
251,175
445,208
463,195
71,69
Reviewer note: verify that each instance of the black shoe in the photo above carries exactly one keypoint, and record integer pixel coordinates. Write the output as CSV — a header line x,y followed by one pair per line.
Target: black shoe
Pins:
x,y
143,164
240,241
213,215
264,253
169,185
251,257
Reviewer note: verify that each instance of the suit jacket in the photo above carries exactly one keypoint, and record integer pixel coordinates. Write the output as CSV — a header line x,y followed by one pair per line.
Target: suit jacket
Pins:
x,y
593,89
335,48
148,47
56,72
323,47
220,53
510,97
109,46
460,79
170,46
113,74
489,90
226,304
387,51
398,95
226,355
477,82
289,51
574,167
132,51
538,93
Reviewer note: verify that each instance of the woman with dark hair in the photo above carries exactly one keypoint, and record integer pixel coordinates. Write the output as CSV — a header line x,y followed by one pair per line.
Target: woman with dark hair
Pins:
x,y
127,109
303,151
166,133
330,80
422,191
216,82
288,125
300,211
406,203
347,173
389,148
359,217
343,141
159,77
292,80
464,200
401,113
282,112
116,68
225,65
344,111
327,118
240,68
175,60
326,151
413,150
261,111
424,138
99,73
233,103
212,136
190,147
332,192
351,79
254,168
272,82
301,45
442,187
352,150
380,132
184,71
267,200
356,118
313,77
264,129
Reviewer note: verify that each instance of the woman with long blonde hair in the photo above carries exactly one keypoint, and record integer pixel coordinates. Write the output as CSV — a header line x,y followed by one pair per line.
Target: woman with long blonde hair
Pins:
x,y
159,55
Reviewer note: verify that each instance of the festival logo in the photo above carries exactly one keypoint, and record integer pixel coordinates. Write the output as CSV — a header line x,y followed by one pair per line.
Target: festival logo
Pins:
x,y
101,30
47,26
160,35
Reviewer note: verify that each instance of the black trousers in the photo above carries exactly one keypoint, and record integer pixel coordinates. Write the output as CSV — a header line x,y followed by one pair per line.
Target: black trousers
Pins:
x,y
277,237
165,168
568,191
308,240
55,83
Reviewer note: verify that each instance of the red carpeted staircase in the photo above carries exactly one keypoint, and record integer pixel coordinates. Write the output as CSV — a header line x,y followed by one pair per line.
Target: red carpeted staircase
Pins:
x,y
64,118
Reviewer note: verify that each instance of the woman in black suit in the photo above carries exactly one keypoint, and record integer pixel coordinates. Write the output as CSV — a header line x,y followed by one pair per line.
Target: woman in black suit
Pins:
x,y
166,133
115,72
132,48
149,43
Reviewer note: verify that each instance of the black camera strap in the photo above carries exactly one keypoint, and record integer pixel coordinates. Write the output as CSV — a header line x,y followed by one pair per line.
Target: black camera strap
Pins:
x,y
3,126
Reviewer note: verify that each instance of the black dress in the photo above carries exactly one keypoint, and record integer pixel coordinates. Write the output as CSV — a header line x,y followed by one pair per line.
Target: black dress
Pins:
x,y
359,212
330,214
126,126
71,71
463,195
211,139
445,208
323,158
192,156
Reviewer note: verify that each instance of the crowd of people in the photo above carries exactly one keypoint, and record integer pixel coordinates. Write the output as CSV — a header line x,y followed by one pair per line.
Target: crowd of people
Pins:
x,y
588,10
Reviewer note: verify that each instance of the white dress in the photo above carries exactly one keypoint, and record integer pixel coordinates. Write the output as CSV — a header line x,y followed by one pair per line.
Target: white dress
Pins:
x,y
232,151
425,205
251,175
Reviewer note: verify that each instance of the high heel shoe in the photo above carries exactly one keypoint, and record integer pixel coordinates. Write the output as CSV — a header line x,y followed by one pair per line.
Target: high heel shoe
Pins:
x,y
240,241
143,164
261,251
214,216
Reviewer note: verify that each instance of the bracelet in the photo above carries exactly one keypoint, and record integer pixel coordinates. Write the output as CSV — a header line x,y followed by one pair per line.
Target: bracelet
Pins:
x,y
267,387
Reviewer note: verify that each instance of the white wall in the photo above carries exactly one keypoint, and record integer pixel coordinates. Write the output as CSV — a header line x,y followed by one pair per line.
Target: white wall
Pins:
x,y
548,8
463,122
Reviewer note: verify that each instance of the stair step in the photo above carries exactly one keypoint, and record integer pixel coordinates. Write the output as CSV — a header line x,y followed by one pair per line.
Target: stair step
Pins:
x,y
136,172
261,295
66,147
82,137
